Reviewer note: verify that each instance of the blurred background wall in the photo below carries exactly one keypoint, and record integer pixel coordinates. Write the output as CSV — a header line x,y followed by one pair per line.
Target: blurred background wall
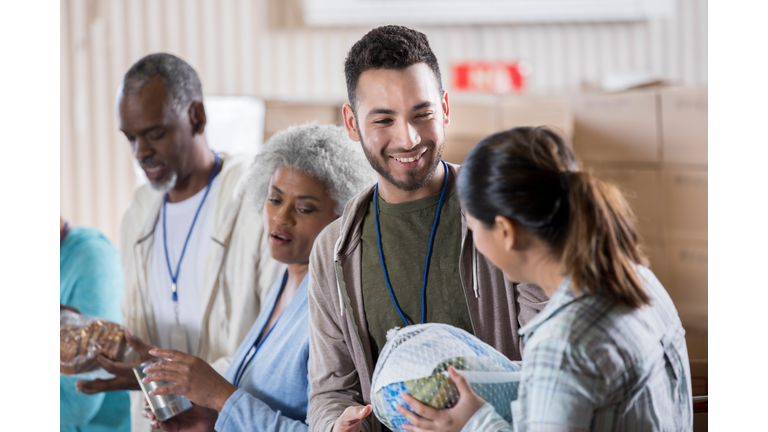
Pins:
x,y
262,48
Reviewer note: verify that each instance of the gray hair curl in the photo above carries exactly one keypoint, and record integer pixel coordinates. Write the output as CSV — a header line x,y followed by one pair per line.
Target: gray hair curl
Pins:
x,y
181,81
322,151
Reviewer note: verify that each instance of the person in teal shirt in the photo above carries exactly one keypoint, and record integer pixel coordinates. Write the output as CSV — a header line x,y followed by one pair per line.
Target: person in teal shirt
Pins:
x,y
91,282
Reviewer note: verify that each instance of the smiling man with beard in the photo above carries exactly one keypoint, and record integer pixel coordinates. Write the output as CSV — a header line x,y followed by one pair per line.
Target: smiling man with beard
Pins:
x,y
194,255
401,253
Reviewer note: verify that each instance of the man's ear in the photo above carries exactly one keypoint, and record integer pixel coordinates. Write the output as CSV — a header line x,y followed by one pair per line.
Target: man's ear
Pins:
x,y
349,122
446,109
506,231
197,117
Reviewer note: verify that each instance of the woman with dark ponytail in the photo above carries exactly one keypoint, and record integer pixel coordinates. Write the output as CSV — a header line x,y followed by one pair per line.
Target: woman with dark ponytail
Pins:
x,y
608,351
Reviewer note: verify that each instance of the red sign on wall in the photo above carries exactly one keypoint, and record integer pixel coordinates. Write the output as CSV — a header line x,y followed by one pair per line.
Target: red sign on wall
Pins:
x,y
490,77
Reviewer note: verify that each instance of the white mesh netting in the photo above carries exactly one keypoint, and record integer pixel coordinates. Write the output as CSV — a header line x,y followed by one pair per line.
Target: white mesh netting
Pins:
x,y
415,360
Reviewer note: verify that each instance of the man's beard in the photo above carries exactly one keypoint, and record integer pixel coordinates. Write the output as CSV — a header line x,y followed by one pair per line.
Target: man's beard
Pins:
x,y
415,180
160,185
164,185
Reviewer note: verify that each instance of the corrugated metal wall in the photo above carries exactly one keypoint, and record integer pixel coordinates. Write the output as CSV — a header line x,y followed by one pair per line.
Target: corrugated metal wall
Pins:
x,y
236,51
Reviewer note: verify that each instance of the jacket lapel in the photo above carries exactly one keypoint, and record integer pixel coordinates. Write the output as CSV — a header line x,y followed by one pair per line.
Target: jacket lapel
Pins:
x,y
349,269
142,255
225,213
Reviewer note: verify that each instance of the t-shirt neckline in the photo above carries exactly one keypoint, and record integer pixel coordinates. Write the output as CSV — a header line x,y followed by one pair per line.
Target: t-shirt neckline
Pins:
x,y
419,204
191,203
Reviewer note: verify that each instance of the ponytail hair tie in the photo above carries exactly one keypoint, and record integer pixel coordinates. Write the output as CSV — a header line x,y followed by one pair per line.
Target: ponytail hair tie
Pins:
x,y
564,180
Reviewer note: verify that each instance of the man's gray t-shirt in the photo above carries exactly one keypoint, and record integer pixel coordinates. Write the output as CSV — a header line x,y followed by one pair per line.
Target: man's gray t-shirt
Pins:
x,y
405,232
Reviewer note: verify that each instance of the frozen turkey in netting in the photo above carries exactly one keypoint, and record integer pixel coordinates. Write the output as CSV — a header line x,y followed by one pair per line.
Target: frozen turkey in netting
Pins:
x,y
415,360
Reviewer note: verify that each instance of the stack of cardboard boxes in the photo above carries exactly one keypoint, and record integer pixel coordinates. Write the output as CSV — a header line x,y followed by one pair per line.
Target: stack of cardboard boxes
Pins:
x,y
653,144
618,137
474,118
685,187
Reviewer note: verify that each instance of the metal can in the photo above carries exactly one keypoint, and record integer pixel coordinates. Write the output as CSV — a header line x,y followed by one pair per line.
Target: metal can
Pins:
x,y
162,406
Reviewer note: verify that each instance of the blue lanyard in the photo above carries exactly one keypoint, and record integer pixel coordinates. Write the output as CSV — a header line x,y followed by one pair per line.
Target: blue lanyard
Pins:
x,y
255,348
175,276
429,251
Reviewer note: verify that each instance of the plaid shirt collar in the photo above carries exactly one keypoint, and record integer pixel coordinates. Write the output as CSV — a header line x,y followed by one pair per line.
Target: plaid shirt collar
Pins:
x,y
562,298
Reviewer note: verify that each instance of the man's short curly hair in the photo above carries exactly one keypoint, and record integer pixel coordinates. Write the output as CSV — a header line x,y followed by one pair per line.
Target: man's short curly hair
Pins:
x,y
181,81
322,151
388,47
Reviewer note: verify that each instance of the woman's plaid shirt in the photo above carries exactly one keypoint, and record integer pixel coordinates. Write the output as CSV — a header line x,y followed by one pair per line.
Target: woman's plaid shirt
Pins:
x,y
592,365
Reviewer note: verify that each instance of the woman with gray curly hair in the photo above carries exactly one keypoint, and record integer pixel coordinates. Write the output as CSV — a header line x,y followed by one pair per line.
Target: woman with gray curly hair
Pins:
x,y
302,178
322,151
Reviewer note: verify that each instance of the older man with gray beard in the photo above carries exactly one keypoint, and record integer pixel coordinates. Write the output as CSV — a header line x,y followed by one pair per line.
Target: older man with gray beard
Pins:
x,y
194,256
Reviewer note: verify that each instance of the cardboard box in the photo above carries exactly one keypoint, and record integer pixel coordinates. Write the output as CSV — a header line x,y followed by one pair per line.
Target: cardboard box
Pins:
x,y
456,151
552,112
279,115
617,128
687,276
685,204
657,259
642,188
684,125
472,120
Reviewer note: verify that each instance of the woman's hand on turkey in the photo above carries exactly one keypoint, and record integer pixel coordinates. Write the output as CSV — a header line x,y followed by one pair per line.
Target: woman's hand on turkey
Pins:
x,y
446,420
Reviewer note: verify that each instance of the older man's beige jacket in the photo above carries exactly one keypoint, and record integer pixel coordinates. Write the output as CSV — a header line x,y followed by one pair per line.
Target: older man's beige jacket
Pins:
x,y
237,275
340,359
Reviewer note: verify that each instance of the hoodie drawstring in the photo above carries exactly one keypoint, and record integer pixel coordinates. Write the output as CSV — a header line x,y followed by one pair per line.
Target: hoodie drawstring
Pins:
x,y
336,272
474,269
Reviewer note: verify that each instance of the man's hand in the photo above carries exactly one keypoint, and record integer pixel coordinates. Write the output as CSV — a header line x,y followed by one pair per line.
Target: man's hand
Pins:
x,y
195,419
352,418
193,378
124,378
447,420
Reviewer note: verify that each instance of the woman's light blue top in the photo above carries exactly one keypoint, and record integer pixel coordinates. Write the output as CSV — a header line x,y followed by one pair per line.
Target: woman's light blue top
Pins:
x,y
273,393
92,282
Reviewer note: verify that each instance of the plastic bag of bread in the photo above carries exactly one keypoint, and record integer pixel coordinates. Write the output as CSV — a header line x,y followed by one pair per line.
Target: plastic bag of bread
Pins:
x,y
84,337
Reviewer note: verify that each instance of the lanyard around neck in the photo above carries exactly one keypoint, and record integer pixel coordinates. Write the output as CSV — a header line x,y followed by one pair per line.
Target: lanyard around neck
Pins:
x,y
175,276
255,347
429,250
